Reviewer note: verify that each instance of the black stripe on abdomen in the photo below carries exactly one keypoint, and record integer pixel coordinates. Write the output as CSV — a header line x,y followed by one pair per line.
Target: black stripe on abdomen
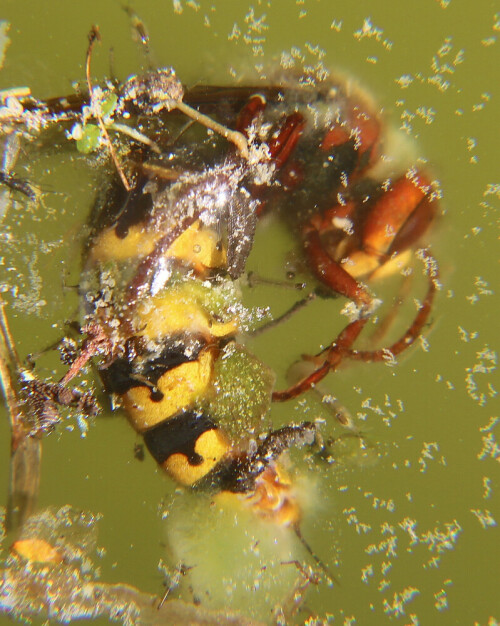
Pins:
x,y
178,435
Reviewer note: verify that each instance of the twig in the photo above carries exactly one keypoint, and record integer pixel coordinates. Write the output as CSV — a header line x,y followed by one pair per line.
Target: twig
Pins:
x,y
26,451
93,37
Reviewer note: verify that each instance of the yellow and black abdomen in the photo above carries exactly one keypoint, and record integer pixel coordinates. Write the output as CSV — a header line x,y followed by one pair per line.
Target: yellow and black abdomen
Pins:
x,y
172,314
161,396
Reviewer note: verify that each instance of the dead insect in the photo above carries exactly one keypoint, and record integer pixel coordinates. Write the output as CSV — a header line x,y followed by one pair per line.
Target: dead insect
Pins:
x,y
171,231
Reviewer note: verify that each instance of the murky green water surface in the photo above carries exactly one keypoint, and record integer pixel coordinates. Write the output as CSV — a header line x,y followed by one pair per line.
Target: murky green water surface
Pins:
x,y
411,528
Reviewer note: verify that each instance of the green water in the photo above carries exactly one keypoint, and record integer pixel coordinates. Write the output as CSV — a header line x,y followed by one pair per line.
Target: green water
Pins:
x,y
412,536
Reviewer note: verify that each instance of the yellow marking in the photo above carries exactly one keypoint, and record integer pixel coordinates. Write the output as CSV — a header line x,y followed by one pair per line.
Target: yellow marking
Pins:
x,y
394,265
359,263
108,247
199,247
179,309
37,551
180,386
212,445
272,500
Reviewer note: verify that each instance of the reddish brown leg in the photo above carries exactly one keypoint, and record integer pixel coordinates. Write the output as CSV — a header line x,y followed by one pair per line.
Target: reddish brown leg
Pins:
x,y
330,272
255,105
339,280
333,356
413,332
384,325
341,348
282,145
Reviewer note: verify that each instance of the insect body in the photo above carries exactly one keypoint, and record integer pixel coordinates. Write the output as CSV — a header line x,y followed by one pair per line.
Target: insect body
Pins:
x,y
360,215
163,256
158,281
171,233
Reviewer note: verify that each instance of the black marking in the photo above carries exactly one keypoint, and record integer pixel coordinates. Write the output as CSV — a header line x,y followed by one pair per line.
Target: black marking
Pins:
x,y
124,374
178,435
239,474
136,207
115,206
